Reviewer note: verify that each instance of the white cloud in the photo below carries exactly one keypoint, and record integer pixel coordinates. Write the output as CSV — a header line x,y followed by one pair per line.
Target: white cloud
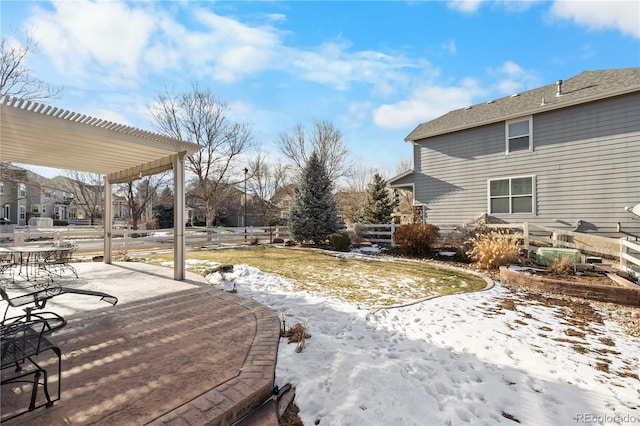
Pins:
x,y
512,78
234,49
466,6
623,16
450,46
81,37
88,41
240,107
427,103
335,65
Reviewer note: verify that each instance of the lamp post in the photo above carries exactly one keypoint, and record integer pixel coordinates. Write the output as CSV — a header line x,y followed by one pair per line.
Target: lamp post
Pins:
x,y
244,222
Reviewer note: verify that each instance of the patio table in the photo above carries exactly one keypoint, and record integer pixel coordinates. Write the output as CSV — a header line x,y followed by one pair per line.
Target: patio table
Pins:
x,y
31,260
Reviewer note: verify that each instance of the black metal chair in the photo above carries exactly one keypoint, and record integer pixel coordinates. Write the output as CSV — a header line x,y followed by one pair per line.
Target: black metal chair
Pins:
x,y
21,343
36,300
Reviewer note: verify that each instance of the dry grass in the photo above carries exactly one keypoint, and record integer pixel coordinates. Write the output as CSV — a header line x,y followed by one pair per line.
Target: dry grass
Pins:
x,y
492,250
563,267
349,278
297,333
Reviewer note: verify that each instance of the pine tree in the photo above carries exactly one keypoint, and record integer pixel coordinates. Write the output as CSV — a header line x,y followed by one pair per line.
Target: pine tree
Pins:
x,y
312,216
379,206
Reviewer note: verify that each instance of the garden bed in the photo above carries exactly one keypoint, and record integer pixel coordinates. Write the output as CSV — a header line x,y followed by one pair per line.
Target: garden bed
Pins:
x,y
609,288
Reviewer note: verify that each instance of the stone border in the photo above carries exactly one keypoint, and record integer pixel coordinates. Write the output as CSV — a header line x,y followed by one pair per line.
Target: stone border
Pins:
x,y
626,295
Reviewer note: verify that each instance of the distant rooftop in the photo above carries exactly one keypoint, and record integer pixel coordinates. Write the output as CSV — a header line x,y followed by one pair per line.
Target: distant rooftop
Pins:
x,y
584,87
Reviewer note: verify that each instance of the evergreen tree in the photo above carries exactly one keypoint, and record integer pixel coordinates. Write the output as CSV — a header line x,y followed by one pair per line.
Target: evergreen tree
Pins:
x,y
379,206
312,216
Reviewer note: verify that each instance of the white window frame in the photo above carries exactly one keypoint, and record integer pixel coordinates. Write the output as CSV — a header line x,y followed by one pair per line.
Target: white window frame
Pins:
x,y
22,215
510,196
507,137
22,190
1,187
6,211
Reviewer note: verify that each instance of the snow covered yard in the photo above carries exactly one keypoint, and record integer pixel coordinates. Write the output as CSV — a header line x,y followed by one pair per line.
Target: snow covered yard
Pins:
x,y
477,358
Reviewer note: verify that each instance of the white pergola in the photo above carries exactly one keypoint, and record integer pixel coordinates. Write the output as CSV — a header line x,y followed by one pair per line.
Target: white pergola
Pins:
x,y
40,135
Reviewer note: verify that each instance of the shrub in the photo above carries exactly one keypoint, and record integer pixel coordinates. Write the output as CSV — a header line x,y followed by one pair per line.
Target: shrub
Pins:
x,y
492,250
60,223
416,239
340,241
278,241
562,267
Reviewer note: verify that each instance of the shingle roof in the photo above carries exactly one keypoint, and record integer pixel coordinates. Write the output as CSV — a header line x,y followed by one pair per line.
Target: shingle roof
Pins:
x,y
584,87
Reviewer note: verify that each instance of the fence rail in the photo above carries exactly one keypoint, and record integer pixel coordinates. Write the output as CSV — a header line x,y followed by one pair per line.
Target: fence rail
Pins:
x,y
90,239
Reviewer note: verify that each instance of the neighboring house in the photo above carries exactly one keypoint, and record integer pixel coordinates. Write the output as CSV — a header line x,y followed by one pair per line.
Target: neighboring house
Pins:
x,y
229,210
283,199
22,192
566,155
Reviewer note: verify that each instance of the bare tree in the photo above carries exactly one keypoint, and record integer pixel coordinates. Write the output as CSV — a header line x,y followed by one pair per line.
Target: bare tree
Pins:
x,y
265,180
326,140
197,116
354,197
140,195
16,79
87,190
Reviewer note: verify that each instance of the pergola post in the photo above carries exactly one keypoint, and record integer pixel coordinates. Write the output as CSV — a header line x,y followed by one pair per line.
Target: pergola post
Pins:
x,y
179,246
107,218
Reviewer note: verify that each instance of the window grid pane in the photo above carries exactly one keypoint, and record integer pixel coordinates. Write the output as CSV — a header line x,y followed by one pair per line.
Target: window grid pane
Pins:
x,y
521,186
519,128
514,195
499,188
500,205
521,205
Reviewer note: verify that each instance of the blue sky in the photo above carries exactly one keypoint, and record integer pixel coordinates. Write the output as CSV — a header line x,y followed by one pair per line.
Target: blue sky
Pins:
x,y
376,69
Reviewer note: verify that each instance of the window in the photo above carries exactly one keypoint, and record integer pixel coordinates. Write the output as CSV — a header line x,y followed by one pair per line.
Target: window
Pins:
x,y
23,212
512,195
23,190
35,208
519,135
1,187
6,211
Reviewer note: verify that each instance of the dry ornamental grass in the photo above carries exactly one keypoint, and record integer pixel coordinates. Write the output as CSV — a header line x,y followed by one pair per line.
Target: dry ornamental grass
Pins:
x,y
490,251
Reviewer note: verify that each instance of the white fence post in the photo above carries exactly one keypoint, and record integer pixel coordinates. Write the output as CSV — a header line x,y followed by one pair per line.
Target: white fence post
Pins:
x,y
623,251
525,232
126,234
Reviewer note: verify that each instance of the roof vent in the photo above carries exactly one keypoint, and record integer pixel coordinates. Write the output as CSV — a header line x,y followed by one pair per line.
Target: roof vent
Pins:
x,y
542,103
489,102
467,108
558,88
515,95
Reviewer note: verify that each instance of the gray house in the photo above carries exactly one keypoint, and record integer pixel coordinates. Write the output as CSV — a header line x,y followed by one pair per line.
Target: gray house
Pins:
x,y
566,155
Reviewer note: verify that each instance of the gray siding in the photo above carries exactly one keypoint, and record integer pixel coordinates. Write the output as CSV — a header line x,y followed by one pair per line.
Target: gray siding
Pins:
x,y
586,161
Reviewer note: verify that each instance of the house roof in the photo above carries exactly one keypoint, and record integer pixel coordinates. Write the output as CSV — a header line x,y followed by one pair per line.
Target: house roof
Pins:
x,y
402,181
41,135
585,87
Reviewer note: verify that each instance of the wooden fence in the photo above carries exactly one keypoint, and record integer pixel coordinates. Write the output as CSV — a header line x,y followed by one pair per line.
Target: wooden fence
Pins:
x,y
626,249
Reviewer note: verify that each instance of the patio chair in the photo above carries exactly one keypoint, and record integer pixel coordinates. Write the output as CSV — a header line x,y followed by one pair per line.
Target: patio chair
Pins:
x,y
21,343
37,300
58,259
7,264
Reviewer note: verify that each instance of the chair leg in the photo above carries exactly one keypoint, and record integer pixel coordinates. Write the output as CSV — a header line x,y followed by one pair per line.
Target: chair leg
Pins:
x,y
34,390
